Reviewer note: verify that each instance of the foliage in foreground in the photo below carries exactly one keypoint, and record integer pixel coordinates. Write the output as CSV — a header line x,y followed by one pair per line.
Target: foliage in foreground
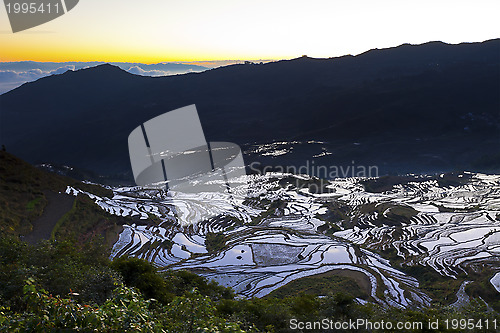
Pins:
x,y
128,311
63,286
125,311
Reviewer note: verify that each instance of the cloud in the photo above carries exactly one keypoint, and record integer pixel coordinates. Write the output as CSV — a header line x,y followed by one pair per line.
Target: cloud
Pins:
x,y
8,75
11,79
139,71
63,69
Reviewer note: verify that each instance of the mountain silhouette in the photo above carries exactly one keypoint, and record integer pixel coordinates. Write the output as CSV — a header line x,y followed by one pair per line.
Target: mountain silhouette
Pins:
x,y
412,108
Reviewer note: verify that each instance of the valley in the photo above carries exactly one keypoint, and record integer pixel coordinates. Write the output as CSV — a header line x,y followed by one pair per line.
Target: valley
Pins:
x,y
272,230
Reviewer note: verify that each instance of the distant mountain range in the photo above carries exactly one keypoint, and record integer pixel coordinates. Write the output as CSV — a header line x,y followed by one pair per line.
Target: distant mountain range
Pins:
x,y
14,74
412,108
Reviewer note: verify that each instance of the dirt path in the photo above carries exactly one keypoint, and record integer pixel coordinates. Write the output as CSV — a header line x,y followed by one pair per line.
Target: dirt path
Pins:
x,y
58,205
462,298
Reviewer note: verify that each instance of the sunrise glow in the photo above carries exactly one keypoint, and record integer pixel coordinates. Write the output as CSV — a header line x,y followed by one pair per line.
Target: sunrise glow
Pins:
x,y
156,31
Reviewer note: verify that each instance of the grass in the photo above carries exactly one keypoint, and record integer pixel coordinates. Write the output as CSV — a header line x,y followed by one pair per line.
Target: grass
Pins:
x,y
153,218
348,282
441,289
30,206
215,241
87,220
443,209
269,212
22,188
482,287
395,214
336,214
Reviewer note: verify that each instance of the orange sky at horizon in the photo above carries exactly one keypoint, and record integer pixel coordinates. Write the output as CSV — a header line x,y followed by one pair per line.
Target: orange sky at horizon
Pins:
x,y
195,30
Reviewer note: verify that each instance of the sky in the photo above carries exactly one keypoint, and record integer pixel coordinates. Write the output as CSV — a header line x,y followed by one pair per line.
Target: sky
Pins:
x,y
155,31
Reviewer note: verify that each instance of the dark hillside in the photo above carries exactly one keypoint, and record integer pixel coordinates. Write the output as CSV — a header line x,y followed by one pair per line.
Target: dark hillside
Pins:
x,y
25,192
409,108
